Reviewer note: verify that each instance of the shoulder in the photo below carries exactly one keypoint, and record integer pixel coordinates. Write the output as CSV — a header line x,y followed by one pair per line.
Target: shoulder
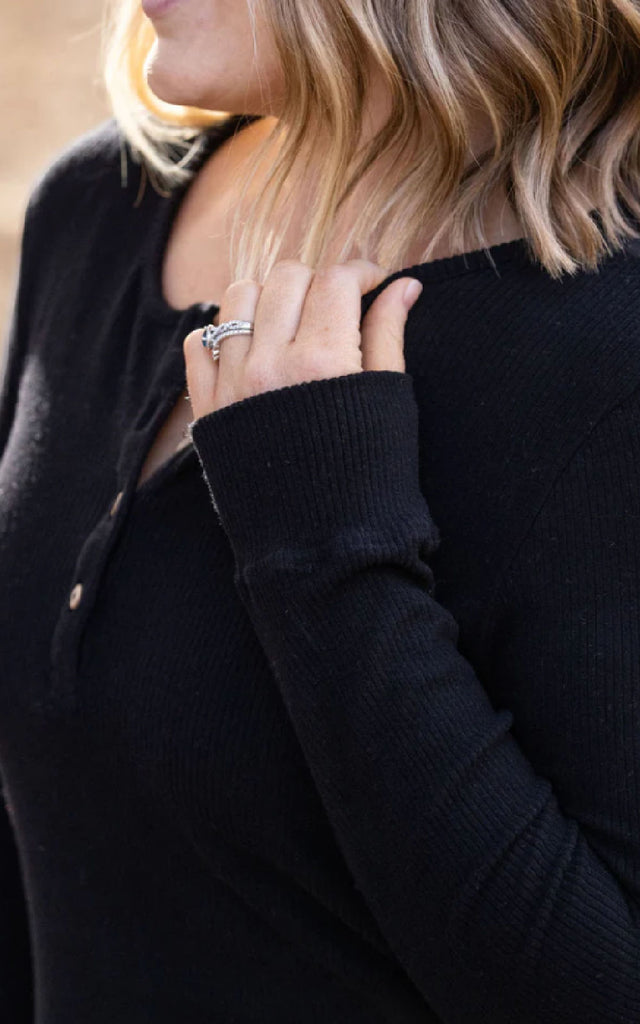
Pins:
x,y
538,360
92,163
514,373
85,206
518,332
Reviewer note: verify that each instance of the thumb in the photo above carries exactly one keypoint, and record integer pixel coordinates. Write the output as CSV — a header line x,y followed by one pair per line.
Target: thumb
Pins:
x,y
382,330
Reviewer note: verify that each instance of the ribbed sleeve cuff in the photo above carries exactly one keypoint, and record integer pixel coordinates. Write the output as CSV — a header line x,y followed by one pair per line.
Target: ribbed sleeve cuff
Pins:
x,y
292,466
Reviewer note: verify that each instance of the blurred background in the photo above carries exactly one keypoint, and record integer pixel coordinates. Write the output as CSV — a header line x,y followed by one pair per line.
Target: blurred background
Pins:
x,y
50,92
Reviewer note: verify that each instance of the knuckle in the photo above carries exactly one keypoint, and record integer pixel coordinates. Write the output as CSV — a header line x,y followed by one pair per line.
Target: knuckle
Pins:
x,y
333,275
317,362
288,264
358,262
257,374
241,287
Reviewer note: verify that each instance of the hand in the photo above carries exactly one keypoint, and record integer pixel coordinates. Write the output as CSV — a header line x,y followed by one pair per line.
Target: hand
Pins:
x,y
306,327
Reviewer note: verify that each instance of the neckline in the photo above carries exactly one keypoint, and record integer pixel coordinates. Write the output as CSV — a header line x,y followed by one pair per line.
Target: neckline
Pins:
x,y
168,207
493,257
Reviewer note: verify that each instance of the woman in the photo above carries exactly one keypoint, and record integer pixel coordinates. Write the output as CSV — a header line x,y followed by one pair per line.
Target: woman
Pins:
x,y
332,714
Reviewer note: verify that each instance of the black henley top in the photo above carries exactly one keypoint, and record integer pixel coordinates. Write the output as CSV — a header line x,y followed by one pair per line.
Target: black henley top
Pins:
x,y
344,722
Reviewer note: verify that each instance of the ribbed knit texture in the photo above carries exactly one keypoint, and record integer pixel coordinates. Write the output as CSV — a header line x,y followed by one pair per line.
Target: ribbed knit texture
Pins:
x,y
346,724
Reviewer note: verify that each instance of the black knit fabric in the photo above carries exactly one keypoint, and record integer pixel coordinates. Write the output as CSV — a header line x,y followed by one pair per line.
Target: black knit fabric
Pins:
x,y
345,726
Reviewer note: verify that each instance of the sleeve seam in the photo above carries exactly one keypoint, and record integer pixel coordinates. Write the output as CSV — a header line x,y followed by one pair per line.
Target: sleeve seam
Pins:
x,y
503,573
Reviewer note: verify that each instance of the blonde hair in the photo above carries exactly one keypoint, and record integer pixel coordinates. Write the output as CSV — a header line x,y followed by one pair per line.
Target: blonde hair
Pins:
x,y
559,81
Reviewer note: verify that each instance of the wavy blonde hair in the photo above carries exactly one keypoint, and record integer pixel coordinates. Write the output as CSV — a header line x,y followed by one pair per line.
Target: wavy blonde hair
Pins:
x,y
559,81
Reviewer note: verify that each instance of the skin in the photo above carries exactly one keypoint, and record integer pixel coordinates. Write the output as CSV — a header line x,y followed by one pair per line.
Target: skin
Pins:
x,y
292,341
204,56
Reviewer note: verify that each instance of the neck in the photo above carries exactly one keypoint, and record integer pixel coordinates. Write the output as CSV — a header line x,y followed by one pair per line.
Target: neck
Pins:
x,y
500,222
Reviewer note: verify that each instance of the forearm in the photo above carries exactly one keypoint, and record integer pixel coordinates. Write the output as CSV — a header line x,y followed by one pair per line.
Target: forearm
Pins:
x,y
489,895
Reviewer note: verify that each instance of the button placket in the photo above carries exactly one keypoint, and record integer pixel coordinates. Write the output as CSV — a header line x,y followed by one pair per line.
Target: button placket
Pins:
x,y
94,553
67,636
92,558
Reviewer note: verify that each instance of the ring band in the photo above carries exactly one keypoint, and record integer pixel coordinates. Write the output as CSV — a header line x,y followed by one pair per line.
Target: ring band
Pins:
x,y
212,335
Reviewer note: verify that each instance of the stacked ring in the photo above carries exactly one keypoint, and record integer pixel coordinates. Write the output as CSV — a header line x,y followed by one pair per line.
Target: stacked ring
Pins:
x,y
212,335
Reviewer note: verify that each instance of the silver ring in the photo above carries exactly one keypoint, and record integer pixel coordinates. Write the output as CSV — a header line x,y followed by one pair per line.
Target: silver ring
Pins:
x,y
212,335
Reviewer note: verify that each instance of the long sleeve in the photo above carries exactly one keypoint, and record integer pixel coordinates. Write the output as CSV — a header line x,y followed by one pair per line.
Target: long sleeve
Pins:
x,y
16,1006
508,895
16,991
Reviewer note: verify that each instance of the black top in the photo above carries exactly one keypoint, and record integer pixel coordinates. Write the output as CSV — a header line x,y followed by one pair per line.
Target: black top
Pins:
x,y
345,724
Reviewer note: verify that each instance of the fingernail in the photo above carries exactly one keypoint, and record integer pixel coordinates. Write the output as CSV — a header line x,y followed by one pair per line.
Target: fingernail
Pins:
x,y
411,293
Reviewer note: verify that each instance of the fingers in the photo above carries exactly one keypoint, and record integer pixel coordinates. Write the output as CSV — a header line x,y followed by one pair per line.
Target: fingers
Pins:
x,y
239,302
308,325
201,373
383,327
280,308
218,381
332,312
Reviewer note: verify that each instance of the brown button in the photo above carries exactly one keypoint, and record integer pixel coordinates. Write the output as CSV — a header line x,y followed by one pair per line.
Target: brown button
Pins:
x,y
75,596
116,502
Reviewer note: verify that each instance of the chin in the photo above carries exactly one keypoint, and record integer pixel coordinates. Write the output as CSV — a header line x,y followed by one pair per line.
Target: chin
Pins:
x,y
175,76
169,81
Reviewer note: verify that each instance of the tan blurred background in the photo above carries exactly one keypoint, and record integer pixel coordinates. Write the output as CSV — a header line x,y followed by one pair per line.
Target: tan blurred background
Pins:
x,y
50,92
